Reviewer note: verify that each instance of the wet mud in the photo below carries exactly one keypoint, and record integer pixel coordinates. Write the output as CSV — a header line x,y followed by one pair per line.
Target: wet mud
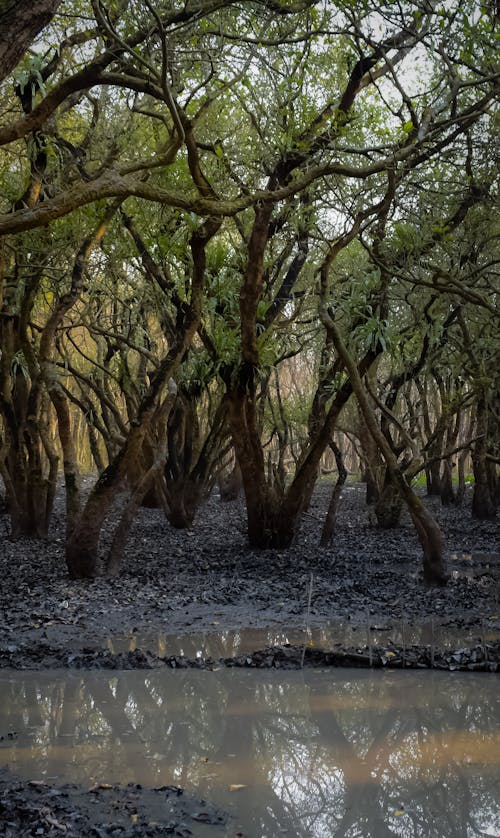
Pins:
x,y
207,581
35,807
202,599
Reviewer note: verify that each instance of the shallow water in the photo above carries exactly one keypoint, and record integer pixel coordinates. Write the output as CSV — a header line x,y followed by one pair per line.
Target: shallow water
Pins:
x,y
314,753
233,643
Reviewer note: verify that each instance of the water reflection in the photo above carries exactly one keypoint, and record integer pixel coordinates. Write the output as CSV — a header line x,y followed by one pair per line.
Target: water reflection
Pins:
x,y
227,644
316,753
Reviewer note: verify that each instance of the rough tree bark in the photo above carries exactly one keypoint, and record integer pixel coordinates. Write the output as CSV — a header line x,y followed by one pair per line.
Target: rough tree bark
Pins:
x,y
120,538
20,23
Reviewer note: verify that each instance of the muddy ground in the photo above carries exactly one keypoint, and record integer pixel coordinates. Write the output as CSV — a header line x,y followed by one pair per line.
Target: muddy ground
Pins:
x,y
32,808
207,580
360,602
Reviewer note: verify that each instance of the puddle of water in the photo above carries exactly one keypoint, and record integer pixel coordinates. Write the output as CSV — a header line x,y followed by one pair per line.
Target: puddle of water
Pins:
x,y
227,644
310,753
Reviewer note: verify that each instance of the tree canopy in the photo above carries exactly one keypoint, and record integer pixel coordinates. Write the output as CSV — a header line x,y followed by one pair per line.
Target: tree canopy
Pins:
x,y
220,220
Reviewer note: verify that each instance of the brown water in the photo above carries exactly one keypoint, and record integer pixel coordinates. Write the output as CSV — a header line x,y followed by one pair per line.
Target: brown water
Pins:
x,y
315,753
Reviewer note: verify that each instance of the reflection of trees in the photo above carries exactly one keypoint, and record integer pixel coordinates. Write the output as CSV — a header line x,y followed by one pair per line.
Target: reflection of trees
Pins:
x,y
232,643
318,754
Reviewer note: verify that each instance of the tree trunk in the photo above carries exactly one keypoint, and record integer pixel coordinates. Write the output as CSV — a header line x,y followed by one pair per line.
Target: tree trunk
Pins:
x,y
230,485
483,506
20,23
433,477
82,555
389,504
25,499
184,498
460,494
331,515
447,490
427,528
82,545
29,489
118,546
373,466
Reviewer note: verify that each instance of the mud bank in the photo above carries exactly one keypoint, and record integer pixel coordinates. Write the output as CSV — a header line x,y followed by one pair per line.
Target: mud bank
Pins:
x,y
207,579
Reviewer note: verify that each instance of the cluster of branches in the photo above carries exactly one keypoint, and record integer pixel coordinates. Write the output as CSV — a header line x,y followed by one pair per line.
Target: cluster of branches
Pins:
x,y
222,221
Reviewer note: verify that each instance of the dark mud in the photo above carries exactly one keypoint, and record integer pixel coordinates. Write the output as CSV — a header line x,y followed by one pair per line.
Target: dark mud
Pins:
x,y
208,580
33,808
481,657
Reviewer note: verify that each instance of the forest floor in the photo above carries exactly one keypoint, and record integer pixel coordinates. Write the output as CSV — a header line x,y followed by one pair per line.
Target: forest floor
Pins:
x,y
203,598
360,601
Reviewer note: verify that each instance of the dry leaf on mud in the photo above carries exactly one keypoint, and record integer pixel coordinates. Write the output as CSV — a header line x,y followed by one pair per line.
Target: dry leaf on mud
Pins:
x,y
98,786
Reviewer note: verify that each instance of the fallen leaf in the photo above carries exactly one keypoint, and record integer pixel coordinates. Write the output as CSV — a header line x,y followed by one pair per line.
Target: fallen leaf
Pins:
x,y
98,786
55,823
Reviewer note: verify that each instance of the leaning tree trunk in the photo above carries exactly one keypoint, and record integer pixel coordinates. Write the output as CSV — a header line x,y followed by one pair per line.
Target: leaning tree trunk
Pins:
x,y
82,545
120,538
428,531
82,554
273,515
